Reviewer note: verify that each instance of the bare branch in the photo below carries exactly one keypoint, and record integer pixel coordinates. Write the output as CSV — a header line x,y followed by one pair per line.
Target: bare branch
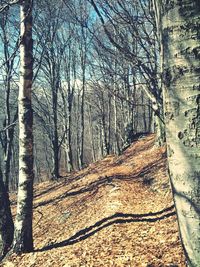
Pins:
x,y
7,4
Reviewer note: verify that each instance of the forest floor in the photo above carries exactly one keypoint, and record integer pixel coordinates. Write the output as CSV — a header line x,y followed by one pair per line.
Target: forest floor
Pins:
x,y
116,212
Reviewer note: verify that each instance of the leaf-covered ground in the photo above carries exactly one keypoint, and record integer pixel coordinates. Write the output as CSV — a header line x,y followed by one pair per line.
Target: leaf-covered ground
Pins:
x,y
117,212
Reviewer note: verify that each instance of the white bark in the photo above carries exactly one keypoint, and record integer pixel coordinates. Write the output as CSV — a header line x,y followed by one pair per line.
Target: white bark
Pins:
x,y
23,240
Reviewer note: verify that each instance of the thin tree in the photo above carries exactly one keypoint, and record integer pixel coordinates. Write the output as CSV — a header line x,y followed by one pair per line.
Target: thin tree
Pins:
x,y
6,222
23,239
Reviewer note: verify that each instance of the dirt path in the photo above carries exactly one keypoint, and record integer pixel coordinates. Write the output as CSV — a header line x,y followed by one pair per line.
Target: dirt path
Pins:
x,y
116,212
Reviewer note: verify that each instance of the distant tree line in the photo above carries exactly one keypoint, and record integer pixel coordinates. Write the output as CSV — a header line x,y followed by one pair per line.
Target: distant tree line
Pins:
x,y
88,97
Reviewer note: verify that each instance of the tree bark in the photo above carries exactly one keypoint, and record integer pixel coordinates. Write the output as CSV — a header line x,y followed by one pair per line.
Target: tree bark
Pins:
x,y
181,37
6,222
8,147
55,143
23,239
91,133
82,128
159,129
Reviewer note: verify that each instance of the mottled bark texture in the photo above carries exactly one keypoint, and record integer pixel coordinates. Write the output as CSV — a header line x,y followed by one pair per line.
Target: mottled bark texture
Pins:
x,y
159,129
6,222
23,240
181,37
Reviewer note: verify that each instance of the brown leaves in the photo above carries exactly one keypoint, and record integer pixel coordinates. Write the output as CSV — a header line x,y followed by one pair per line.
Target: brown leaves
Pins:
x,y
92,227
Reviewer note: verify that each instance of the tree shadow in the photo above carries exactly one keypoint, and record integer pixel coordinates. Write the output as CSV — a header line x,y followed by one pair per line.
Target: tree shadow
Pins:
x,y
117,218
51,188
103,181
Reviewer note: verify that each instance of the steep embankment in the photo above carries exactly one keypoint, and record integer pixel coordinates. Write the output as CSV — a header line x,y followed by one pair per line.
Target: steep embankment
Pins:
x,y
116,212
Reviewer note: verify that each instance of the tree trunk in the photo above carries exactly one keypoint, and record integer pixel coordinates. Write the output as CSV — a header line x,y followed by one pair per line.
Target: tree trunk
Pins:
x,y
7,159
159,129
67,114
104,134
8,149
144,115
9,131
23,239
6,222
69,135
55,171
181,35
116,138
8,135
68,160
55,142
159,126
109,122
82,126
91,133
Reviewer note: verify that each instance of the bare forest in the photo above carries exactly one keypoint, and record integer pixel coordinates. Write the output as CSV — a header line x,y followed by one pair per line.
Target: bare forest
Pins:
x,y
99,133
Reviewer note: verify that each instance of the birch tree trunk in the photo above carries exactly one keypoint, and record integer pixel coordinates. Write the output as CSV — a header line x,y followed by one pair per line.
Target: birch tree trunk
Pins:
x,y
181,35
23,239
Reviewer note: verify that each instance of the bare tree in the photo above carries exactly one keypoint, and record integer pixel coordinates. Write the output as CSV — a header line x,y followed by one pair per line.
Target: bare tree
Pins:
x,y
182,115
9,53
23,238
6,222
135,17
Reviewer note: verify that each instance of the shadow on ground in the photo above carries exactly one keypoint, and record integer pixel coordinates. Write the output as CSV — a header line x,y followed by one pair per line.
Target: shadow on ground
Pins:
x,y
103,181
117,218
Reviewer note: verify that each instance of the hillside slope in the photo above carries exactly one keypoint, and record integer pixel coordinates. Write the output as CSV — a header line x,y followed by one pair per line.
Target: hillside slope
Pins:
x,y
116,212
